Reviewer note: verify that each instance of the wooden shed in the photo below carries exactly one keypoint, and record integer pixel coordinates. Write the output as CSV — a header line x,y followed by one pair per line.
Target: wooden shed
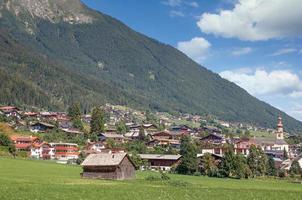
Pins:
x,y
115,166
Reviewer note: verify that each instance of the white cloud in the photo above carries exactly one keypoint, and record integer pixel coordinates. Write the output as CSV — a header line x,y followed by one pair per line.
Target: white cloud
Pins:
x,y
196,48
261,82
254,20
296,94
242,51
194,4
172,3
300,51
175,13
296,111
178,3
284,51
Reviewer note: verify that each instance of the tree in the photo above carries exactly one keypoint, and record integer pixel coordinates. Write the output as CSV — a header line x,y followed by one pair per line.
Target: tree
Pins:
x,y
141,135
74,112
136,159
188,164
4,140
295,167
285,154
234,165
97,123
271,169
121,127
208,164
257,161
228,161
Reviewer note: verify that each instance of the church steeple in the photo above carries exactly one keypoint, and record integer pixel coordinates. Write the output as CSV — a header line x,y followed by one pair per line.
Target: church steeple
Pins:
x,y
280,132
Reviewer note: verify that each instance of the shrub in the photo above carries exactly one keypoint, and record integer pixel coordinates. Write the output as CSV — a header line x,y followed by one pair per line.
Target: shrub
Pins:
x,y
152,178
22,154
164,176
282,173
178,183
197,174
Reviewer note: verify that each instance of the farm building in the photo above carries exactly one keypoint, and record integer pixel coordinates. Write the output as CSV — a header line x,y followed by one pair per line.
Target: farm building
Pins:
x,y
115,166
162,162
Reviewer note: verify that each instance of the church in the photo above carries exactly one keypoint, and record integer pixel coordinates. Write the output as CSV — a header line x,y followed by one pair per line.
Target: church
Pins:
x,y
274,146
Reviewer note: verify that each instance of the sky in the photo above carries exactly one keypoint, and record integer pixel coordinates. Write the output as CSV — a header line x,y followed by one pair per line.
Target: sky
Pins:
x,y
256,44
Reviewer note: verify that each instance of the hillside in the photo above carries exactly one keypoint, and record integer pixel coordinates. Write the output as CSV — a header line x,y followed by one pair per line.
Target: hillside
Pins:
x,y
28,179
56,52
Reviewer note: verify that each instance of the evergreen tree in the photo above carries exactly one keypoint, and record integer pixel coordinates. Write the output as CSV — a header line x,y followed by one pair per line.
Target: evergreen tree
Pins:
x,y
271,169
285,154
97,123
74,112
228,162
295,167
188,151
208,164
141,135
257,161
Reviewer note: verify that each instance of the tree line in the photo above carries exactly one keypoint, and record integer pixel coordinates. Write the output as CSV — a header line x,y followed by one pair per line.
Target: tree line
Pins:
x,y
231,165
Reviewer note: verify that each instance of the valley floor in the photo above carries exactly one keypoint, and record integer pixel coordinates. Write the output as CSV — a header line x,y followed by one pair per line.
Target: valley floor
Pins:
x,y
27,179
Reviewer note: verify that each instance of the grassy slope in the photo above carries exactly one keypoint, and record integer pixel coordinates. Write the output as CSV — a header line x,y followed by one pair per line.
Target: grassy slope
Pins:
x,y
23,179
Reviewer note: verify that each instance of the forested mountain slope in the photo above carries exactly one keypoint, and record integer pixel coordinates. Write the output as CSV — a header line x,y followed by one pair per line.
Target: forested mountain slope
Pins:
x,y
55,52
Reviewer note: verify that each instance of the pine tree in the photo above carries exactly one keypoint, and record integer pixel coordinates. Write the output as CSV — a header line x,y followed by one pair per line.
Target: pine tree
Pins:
x,y
97,123
74,112
271,169
188,151
285,154
257,161
295,167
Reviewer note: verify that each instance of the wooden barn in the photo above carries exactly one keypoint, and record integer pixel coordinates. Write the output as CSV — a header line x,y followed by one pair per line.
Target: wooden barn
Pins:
x,y
115,166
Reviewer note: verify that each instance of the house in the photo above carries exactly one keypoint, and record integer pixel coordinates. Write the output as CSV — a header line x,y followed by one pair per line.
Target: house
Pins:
x,y
116,166
242,146
41,127
72,131
42,151
213,138
160,162
64,152
10,111
162,135
114,136
30,114
212,129
24,143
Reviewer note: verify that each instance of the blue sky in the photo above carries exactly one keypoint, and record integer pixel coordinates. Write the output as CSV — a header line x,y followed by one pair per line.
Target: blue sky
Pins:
x,y
254,43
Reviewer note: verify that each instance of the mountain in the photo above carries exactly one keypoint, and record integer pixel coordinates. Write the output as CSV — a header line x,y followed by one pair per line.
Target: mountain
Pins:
x,y
55,52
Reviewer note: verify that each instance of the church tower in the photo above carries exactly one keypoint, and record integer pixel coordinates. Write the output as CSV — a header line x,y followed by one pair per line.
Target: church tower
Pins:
x,y
280,133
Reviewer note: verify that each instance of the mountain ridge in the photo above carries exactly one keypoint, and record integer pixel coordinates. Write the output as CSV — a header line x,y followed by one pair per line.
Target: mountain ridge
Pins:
x,y
105,61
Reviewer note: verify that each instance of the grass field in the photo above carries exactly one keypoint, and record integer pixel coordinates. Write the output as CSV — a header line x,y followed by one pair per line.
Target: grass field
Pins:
x,y
26,179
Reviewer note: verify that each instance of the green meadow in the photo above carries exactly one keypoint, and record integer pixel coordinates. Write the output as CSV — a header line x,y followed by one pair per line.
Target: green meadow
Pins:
x,y
28,179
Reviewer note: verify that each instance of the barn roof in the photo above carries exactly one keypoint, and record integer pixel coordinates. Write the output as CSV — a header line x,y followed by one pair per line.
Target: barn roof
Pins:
x,y
104,159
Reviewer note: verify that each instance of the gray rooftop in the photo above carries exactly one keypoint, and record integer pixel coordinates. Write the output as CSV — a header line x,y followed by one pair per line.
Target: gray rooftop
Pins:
x,y
104,159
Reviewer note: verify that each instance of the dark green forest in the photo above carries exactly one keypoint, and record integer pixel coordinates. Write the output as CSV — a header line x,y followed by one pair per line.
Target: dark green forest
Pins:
x,y
105,61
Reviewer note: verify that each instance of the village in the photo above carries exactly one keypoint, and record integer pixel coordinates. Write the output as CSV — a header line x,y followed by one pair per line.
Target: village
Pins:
x,y
129,139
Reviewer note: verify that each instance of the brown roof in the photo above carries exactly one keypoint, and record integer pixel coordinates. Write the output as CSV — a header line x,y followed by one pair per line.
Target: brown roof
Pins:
x,y
104,159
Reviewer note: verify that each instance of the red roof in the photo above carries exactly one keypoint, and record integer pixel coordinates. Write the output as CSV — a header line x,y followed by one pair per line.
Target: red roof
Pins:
x,y
17,138
8,108
22,146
